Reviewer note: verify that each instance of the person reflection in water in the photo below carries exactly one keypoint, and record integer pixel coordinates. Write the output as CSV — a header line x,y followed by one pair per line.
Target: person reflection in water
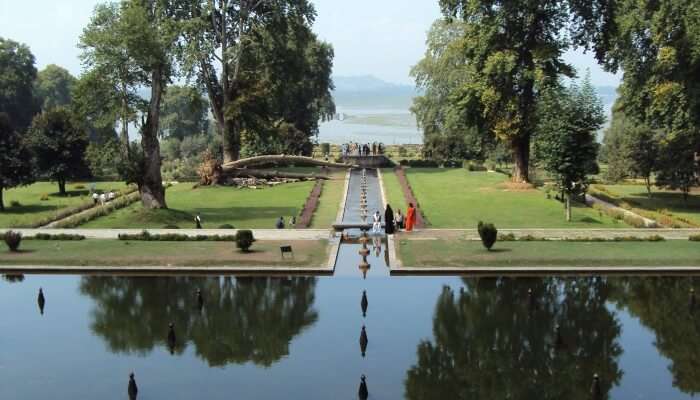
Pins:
x,y
377,245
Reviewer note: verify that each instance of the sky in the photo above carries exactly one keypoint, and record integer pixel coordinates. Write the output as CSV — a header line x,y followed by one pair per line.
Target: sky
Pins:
x,y
383,38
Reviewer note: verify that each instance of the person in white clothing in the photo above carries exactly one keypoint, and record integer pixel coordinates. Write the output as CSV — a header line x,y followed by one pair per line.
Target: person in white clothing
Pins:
x,y
103,198
377,225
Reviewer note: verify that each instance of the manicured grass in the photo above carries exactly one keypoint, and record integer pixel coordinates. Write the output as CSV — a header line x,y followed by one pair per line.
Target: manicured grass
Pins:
x,y
457,198
463,253
32,209
328,205
97,252
394,195
666,200
242,208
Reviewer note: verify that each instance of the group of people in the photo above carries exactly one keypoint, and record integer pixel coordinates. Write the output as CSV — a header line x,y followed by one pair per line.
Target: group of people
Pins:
x,y
103,197
280,222
394,222
358,149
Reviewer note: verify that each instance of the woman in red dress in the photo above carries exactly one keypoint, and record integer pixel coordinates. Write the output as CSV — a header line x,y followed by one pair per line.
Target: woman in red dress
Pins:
x,y
410,217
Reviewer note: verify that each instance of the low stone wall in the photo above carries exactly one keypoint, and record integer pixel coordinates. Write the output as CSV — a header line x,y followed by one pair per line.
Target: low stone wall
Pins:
x,y
380,161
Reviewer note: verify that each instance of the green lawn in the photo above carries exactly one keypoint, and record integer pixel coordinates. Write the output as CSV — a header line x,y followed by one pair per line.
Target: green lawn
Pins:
x,y
32,209
670,201
329,203
457,198
463,253
98,252
394,195
242,208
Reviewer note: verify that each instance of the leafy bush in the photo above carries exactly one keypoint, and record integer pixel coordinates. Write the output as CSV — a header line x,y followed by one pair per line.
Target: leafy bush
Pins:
x,y
60,236
13,240
419,163
488,234
175,237
44,197
473,166
79,187
508,237
244,239
15,203
226,226
694,238
634,221
452,164
530,238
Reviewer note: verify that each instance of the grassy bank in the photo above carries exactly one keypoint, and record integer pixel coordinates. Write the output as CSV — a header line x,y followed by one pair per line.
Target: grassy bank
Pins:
x,y
138,253
457,198
41,200
241,208
329,202
664,206
463,253
394,195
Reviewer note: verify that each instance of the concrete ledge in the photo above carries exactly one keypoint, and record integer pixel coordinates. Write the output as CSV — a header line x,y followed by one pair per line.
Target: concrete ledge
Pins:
x,y
555,233
344,199
165,270
538,271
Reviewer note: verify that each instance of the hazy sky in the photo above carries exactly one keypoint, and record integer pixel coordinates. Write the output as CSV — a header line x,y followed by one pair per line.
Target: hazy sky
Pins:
x,y
371,37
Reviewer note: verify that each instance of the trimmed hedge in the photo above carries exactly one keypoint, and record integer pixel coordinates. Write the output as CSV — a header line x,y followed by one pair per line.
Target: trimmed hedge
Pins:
x,y
694,238
13,240
60,236
175,237
509,237
244,239
99,211
488,234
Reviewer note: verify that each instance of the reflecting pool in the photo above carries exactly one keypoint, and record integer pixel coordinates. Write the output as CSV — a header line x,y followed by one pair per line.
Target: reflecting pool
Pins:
x,y
300,337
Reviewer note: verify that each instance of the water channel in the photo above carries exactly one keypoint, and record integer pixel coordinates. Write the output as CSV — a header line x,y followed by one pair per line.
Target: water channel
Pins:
x,y
299,337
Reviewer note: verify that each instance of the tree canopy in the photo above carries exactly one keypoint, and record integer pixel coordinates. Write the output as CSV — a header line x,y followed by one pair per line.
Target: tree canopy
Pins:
x,y
184,112
15,158
17,76
54,87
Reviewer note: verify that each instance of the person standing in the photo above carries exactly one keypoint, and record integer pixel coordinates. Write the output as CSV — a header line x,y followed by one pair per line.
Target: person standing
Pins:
x,y
389,220
280,223
95,197
377,225
198,221
399,220
410,217
292,221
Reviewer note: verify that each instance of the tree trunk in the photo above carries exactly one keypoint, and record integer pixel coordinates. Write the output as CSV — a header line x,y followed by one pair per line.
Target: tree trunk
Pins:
x,y
2,203
124,136
568,207
647,181
61,186
521,155
257,173
151,187
283,159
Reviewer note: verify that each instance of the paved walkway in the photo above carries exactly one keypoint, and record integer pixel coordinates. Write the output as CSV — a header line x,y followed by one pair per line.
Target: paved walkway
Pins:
x,y
260,234
552,234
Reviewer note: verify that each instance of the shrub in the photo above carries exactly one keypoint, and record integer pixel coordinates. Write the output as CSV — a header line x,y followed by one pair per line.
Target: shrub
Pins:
x,y
44,197
529,238
474,166
403,152
226,226
694,238
79,187
508,237
488,234
13,240
15,203
171,227
325,148
244,239
60,236
452,164
636,222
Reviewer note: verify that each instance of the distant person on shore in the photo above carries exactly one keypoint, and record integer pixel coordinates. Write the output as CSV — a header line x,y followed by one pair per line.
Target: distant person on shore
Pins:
x,y
198,221
111,195
377,224
399,220
280,223
410,217
95,197
292,221
103,199
389,220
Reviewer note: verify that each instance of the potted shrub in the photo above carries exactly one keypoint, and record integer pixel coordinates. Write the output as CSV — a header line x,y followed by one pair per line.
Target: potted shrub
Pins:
x,y
488,234
13,240
244,239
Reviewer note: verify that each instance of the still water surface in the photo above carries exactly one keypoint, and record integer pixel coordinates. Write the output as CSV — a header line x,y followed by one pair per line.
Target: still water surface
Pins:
x,y
298,337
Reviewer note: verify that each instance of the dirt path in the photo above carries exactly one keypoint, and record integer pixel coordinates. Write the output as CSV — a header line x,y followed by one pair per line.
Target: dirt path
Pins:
x,y
421,221
310,206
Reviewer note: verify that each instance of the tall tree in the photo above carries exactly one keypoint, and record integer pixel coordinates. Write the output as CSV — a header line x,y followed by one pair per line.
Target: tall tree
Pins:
x,y
655,43
220,36
566,139
59,145
54,87
184,112
440,75
133,42
17,76
512,50
15,159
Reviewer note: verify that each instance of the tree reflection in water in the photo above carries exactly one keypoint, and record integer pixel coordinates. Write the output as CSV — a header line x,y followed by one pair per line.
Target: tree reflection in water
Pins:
x,y
664,305
243,319
492,342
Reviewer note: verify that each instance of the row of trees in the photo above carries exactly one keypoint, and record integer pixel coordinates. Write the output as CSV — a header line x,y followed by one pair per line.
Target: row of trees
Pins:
x,y
265,73
490,65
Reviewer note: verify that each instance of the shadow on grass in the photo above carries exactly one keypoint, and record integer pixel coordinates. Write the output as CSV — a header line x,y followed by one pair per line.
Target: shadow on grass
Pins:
x,y
499,250
590,220
28,209
20,251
